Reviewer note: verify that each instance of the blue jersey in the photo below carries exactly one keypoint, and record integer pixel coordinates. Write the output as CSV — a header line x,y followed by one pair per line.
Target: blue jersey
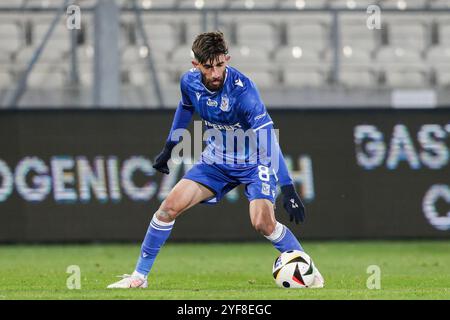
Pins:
x,y
236,106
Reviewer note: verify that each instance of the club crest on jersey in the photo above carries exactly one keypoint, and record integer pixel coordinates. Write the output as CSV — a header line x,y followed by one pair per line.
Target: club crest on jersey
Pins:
x,y
211,103
225,104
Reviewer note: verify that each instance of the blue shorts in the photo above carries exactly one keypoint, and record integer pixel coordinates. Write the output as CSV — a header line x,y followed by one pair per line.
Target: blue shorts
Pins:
x,y
221,179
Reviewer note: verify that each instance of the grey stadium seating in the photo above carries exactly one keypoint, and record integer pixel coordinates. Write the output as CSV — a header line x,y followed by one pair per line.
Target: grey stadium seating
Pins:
x,y
288,49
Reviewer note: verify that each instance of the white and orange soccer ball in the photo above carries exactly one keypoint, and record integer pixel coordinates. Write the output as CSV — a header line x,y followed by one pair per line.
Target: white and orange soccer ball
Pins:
x,y
294,269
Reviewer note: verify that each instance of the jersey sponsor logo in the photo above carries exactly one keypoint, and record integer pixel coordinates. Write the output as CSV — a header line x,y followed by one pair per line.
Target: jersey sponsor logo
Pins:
x,y
212,103
198,94
265,189
223,126
239,83
225,103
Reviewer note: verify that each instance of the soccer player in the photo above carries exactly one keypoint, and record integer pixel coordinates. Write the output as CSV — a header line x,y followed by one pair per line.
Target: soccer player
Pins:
x,y
227,101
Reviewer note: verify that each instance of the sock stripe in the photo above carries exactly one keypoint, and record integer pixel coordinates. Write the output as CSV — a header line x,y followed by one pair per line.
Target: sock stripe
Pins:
x,y
283,233
159,227
162,223
277,232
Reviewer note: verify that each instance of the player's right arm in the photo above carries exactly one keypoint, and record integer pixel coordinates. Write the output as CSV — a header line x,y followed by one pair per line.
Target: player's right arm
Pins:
x,y
181,120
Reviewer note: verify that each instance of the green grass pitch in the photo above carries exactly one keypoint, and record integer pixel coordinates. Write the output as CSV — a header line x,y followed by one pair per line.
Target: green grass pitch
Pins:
x,y
409,270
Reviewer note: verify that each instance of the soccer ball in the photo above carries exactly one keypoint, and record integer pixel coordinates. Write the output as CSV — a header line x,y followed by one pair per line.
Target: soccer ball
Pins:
x,y
293,269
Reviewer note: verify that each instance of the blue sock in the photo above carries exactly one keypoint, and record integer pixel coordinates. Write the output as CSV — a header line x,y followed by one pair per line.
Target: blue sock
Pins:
x,y
283,239
157,234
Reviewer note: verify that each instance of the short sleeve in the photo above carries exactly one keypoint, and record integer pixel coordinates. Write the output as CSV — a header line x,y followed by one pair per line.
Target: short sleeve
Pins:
x,y
185,100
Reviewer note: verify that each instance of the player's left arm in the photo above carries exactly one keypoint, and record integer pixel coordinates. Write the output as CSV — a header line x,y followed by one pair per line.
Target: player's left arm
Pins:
x,y
291,200
258,119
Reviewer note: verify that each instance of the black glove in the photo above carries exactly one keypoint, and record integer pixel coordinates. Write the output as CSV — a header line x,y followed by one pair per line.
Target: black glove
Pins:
x,y
162,158
292,203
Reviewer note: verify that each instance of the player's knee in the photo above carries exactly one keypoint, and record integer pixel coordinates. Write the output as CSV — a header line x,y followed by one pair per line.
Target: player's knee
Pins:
x,y
263,226
168,211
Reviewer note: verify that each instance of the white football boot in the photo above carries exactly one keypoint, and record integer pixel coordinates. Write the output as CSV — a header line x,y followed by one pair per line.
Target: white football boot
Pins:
x,y
129,281
318,282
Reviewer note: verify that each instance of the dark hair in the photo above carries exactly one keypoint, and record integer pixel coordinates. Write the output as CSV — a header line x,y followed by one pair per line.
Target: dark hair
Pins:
x,y
209,46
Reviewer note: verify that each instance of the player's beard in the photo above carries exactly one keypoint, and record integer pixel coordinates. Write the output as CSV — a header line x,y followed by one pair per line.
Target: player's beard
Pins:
x,y
215,83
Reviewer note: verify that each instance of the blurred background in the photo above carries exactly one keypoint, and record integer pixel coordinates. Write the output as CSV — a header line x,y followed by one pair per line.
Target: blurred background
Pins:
x,y
301,53
359,90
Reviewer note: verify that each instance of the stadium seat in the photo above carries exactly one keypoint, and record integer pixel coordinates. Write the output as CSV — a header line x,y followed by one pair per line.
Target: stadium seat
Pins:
x,y
148,4
87,3
352,77
60,38
161,35
439,4
438,60
351,4
407,77
315,36
190,30
43,3
407,35
402,67
398,56
303,78
262,79
257,35
438,55
85,54
191,25
12,37
298,56
86,73
249,58
203,4
444,33
303,4
48,55
402,4
6,80
443,77
354,56
181,58
5,58
252,4
47,77
354,33
139,55
142,77
11,3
